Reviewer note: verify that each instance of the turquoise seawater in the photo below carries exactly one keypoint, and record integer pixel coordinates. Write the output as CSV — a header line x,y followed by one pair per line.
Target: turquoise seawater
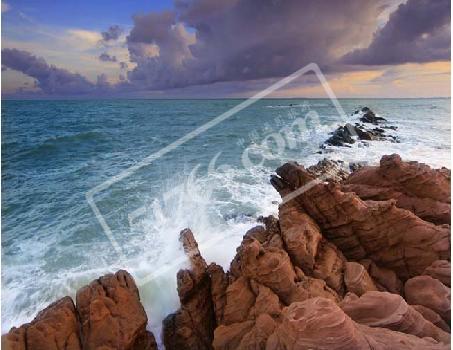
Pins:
x,y
54,152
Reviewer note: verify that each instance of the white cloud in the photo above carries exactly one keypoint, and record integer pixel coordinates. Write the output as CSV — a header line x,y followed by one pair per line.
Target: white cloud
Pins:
x,y
83,39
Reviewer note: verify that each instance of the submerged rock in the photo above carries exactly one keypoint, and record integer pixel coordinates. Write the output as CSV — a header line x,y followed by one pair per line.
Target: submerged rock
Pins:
x,y
348,134
370,117
343,135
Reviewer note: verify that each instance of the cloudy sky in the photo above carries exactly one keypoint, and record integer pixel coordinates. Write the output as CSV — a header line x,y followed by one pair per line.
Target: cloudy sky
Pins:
x,y
224,48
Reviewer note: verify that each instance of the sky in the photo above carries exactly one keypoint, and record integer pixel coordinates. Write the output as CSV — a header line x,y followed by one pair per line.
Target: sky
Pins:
x,y
224,48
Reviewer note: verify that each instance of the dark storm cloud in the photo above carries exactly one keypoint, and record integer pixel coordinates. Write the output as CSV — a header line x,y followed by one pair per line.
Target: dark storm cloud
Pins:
x,y
113,33
244,39
418,31
50,79
105,57
243,42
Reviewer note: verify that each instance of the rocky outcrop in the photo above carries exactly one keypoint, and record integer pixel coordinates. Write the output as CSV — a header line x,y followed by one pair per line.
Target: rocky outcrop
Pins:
x,y
308,249
329,170
429,292
440,270
414,186
390,236
111,314
368,116
328,273
384,279
264,280
432,317
357,279
348,134
192,326
342,135
54,328
386,310
319,323
108,315
219,284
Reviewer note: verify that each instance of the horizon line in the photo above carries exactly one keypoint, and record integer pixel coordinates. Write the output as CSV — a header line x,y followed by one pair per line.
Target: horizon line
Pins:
x,y
77,98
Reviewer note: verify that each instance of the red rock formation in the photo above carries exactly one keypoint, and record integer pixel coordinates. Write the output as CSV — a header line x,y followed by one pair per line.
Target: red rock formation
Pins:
x,y
286,283
308,249
192,326
272,268
219,284
384,279
54,328
392,237
111,314
441,270
429,292
319,323
357,279
432,317
386,310
250,314
330,170
413,185
264,281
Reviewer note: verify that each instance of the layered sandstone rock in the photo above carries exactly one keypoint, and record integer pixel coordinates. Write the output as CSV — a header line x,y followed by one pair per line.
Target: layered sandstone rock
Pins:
x,y
192,326
429,292
384,279
54,328
109,315
219,284
251,313
319,323
272,268
391,237
264,280
308,249
386,310
432,317
440,270
357,279
414,186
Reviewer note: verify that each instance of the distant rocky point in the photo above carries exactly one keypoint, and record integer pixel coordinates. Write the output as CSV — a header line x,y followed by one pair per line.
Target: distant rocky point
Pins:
x,y
361,131
355,261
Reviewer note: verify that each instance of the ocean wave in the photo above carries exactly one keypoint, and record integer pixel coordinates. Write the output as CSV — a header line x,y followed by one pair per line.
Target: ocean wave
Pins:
x,y
56,143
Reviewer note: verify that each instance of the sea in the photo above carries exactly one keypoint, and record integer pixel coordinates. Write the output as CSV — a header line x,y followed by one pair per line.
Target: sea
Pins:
x,y
93,186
